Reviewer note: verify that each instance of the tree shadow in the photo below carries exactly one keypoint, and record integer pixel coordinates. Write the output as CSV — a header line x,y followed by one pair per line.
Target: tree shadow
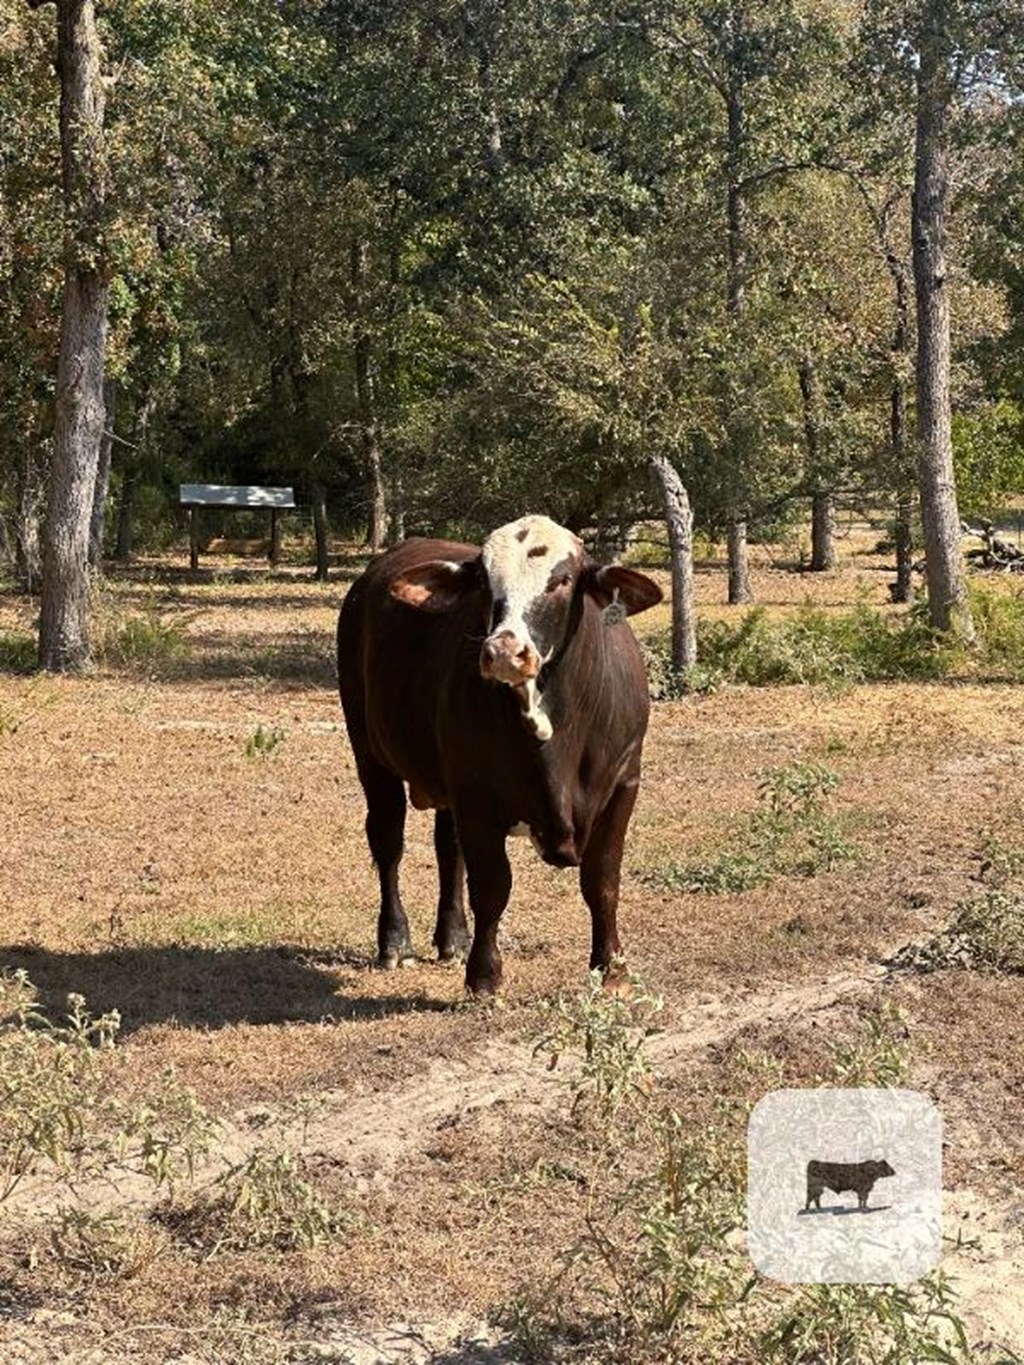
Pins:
x,y
206,988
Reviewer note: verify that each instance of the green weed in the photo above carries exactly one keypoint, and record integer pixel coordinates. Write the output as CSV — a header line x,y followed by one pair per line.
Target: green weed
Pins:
x,y
791,832
144,639
59,1112
261,1202
264,743
17,653
658,1275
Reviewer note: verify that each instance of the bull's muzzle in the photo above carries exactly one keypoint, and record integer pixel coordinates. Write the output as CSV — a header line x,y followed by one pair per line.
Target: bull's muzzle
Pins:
x,y
505,658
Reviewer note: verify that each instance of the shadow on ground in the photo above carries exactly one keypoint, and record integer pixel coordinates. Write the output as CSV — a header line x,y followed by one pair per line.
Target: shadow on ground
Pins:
x,y
839,1211
204,987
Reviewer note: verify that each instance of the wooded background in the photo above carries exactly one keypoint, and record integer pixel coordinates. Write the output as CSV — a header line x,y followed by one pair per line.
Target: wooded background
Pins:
x,y
441,263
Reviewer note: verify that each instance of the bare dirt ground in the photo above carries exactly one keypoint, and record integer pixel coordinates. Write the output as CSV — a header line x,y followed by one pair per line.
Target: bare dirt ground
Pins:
x,y
224,903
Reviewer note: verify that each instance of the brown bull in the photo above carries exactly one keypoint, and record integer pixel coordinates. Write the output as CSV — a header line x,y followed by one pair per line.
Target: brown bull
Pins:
x,y
504,685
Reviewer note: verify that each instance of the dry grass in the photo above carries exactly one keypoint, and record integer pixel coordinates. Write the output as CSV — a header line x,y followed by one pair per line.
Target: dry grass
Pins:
x,y
226,906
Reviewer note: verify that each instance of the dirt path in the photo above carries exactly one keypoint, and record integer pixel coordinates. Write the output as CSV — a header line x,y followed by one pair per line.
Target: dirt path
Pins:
x,y
372,1134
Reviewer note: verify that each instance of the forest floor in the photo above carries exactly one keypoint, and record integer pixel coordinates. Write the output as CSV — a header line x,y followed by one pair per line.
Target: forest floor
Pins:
x,y
215,889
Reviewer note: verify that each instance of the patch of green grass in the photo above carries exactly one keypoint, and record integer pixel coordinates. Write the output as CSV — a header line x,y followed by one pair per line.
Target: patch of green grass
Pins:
x,y
792,832
146,639
263,743
17,653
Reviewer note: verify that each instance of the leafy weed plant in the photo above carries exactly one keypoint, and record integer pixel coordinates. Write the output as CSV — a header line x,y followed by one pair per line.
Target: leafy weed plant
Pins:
x,y
657,1274
261,1202
264,743
791,832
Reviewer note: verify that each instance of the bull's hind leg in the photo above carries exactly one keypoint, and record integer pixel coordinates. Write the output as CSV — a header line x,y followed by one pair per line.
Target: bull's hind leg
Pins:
x,y
600,872
385,833
451,936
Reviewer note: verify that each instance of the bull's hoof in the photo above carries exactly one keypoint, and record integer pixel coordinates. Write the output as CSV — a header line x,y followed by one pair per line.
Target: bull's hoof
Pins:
x,y
454,947
616,980
483,987
393,958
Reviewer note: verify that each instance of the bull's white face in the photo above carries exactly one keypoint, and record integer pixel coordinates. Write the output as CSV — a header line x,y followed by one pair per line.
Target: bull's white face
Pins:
x,y
531,566
534,569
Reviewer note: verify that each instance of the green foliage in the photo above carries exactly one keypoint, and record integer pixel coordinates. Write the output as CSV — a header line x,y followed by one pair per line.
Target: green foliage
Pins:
x,y
877,1057
986,931
991,927
988,449
17,653
658,1273
791,833
261,1202
141,640
861,1324
60,1114
609,1028
815,646
263,743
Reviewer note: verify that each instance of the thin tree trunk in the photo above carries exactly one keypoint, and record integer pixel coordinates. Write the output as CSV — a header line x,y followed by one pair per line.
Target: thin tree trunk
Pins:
x,y
679,520
823,521
78,429
320,531
823,531
736,301
396,520
28,494
97,523
948,607
739,568
373,459
126,516
903,530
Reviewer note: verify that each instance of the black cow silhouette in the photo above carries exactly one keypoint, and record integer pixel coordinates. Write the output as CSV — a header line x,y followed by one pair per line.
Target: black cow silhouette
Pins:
x,y
839,1177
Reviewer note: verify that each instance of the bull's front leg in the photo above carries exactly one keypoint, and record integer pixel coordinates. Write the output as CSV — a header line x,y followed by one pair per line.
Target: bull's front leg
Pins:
x,y
489,877
600,874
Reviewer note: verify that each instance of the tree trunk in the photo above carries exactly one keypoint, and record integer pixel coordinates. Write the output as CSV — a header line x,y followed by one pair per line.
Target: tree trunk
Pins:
x,y
396,522
739,569
78,428
823,521
28,494
823,531
320,531
948,607
679,520
98,520
126,516
373,461
903,532
736,302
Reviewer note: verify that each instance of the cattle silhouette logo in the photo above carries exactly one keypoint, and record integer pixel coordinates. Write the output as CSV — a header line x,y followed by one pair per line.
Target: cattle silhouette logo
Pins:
x,y
857,1177
809,1151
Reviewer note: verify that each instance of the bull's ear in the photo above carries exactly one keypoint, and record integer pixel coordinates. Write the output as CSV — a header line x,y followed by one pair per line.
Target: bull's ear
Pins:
x,y
437,585
607,583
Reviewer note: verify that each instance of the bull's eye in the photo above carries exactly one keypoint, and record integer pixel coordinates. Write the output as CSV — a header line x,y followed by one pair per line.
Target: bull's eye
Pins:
x,y
498,612
562,581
